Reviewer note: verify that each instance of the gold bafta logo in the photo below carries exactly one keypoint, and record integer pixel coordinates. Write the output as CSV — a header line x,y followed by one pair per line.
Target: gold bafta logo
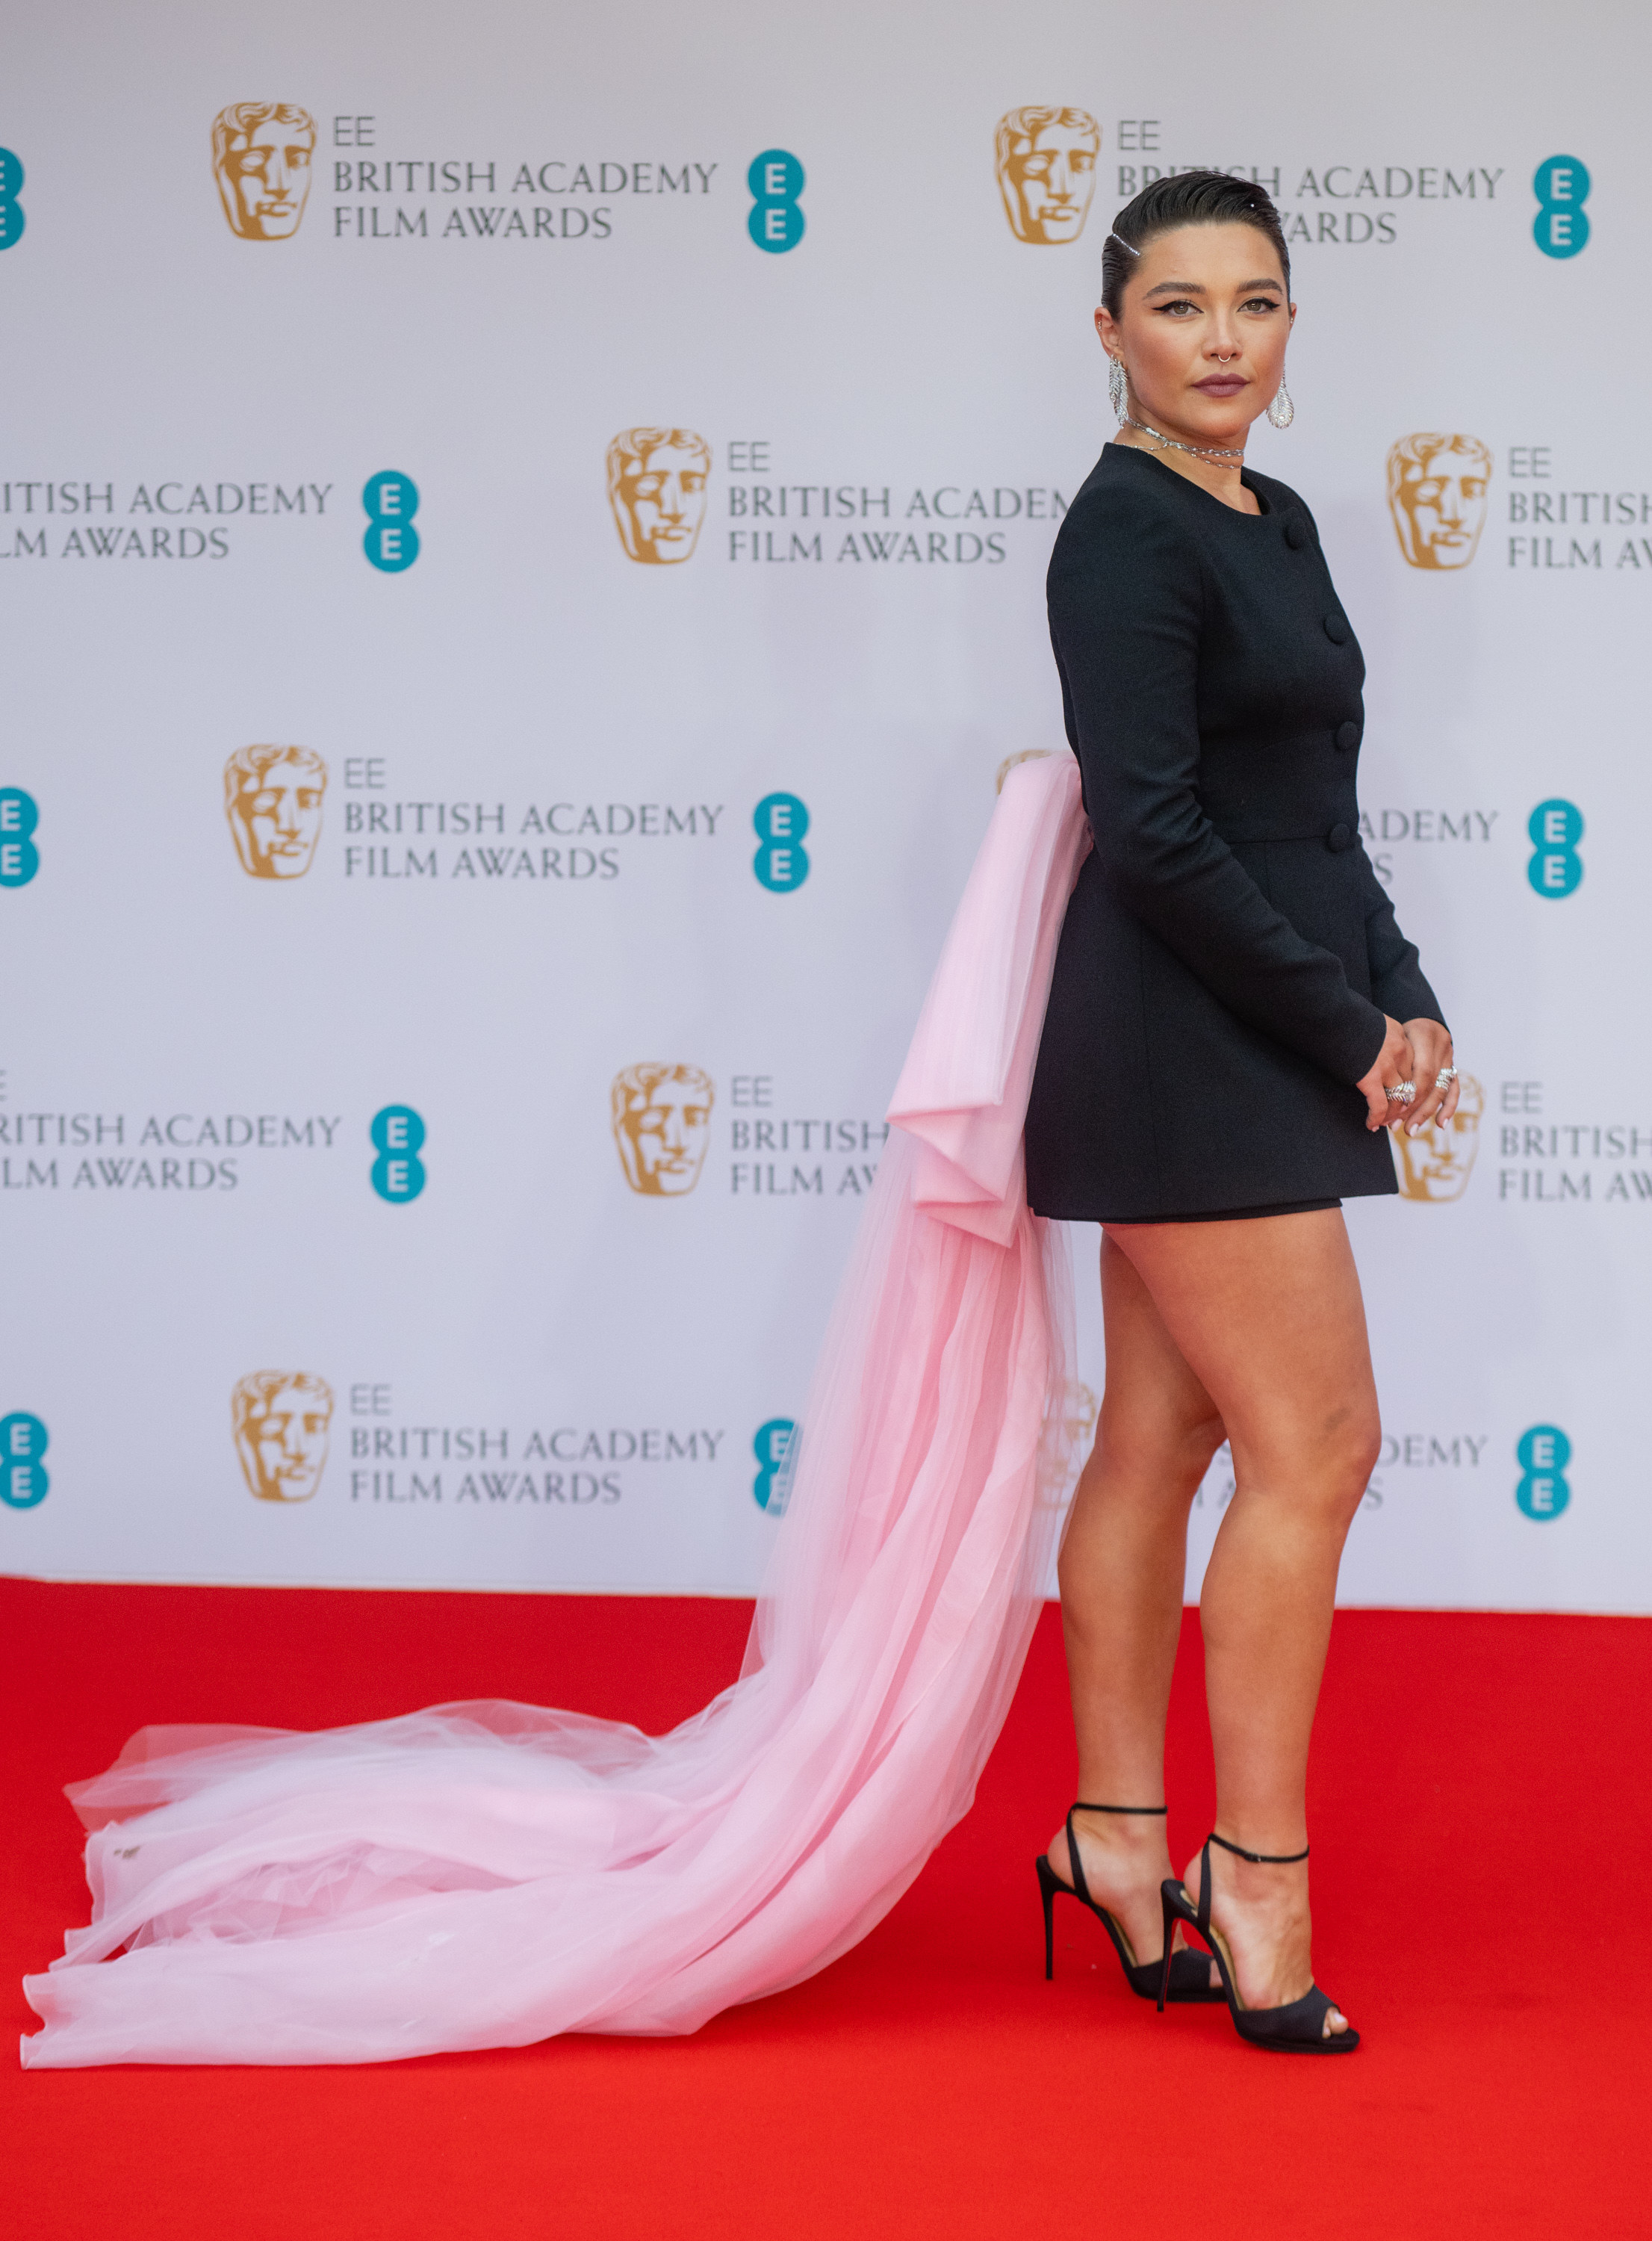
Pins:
x,y
1047,159
272,798
261,152
1437,494
1436,1164
656,481
1077,1438
662,1122
281,1419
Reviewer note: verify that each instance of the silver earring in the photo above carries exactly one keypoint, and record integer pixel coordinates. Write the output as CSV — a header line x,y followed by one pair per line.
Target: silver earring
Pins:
x,y
1282,412
1115,386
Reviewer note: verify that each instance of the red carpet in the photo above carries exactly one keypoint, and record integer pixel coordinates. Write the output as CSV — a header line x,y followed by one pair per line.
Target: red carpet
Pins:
x,y
1480,1821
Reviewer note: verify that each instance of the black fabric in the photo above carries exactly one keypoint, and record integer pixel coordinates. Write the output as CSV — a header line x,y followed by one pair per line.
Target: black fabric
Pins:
x,y
1228,953
1234,1213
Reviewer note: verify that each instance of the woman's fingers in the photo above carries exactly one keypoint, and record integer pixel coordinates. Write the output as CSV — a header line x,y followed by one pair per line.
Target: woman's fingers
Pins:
x,y
1432,1045
1395,1062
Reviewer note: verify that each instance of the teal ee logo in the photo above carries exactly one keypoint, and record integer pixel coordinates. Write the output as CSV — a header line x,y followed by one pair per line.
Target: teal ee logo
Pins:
x,y
19,858
776,181
1555,828
398,1137
1542,1454
23,1478
782,862
392,542
772,1448
1560,227
12,220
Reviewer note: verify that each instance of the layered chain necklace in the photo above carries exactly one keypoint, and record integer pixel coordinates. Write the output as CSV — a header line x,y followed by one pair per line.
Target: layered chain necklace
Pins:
x,y
1211,454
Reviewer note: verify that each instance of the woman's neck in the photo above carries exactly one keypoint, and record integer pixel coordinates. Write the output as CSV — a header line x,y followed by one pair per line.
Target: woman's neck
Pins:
x,y
1219,477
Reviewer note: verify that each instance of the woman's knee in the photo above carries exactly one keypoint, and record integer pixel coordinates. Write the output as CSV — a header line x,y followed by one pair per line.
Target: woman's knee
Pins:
x,y
1157,1448
1324,1464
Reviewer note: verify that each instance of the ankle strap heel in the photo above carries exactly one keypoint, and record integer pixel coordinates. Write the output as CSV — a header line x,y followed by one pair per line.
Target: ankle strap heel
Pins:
x,y
1187,1978
1299,2026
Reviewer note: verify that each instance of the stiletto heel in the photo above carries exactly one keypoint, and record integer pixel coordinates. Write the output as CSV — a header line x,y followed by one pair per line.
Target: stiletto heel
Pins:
x,y
1049,1884
1299,2026
1183,1976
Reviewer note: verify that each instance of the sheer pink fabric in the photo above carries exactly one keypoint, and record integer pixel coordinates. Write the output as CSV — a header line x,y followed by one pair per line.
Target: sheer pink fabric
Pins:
x,y
489,1874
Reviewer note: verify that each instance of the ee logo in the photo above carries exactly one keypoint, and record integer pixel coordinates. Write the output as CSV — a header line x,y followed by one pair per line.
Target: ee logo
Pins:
x,y
782,862
1542,1454
772,1448
776,181
392,542
23,1480
19,858
1560,227
1555,828
398,1137
12,220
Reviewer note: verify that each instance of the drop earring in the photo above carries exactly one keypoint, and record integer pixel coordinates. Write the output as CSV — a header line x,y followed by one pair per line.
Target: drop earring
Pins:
x,y
1282,412
1115,386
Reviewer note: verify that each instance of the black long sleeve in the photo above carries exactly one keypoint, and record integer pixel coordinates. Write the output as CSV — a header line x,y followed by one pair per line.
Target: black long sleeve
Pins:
x,y
1126,613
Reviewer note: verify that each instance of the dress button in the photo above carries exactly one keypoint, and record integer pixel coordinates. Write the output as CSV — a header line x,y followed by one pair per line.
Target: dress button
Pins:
x,y
1336,628
1338,839
1347,734
1295,532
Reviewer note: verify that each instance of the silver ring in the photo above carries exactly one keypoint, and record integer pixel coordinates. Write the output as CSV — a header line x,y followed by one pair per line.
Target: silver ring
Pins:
x,y
1446,1076
1405,1091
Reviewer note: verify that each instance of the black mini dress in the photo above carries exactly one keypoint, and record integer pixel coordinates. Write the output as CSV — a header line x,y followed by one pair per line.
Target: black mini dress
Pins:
x,y
1228,952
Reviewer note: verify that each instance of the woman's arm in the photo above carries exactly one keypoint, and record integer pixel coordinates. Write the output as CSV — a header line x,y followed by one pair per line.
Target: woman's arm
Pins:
x,y
1397,980
1125,615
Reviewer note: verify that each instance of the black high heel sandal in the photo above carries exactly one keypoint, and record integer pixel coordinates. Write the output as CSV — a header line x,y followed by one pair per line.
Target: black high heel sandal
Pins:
x,y
1299,2026
1181,1976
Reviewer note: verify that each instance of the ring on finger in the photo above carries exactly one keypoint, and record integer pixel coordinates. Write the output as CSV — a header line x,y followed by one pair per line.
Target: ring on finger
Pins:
x,y
1446,1076
1404,1092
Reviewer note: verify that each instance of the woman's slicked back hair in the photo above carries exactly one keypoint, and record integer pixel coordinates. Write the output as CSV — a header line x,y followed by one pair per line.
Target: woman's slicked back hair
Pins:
x,y
1186,198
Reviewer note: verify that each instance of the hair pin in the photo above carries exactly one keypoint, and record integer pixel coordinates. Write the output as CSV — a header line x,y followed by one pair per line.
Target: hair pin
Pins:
x,y
1123,244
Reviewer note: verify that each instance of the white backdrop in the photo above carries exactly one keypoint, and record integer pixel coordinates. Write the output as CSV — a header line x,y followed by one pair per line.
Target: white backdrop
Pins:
x,y
514,854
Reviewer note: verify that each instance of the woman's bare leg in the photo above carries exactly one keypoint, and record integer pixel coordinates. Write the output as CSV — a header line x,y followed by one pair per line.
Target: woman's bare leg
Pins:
x,y
1269,1316
1123,1568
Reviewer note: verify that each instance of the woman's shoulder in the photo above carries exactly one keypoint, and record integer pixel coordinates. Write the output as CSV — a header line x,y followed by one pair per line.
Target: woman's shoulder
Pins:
x,y
1281,498
1129,508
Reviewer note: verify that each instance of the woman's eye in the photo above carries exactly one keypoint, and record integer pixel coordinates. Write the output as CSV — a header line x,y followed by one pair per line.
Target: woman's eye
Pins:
x,y
1262,303
1181,303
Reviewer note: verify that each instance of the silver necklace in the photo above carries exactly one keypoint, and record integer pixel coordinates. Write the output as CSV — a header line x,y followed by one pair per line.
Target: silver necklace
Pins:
x,y
1198,450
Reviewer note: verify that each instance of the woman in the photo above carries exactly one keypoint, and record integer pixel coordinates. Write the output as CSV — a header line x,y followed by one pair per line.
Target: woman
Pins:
x,y
1233,1021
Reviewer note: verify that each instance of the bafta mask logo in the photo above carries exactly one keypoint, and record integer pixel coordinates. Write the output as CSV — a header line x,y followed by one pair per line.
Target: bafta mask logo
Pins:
x,y
261,152
657,488
1077,1438
272,798
281,1419
1437,494
1436,1165
1047,159
662,1122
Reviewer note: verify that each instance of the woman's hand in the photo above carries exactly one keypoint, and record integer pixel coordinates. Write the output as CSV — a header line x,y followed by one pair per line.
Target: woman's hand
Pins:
x,y
1395,1062
1431,1047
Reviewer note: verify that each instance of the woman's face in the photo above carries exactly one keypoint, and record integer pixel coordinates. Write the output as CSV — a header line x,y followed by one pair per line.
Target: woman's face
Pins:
x,y
1202,331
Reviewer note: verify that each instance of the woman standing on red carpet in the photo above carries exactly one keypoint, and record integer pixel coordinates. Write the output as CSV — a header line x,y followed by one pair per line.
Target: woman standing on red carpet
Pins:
x,y
1234,1019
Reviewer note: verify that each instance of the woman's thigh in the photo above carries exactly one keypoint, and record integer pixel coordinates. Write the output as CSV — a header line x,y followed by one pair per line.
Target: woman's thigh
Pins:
x,y
1155,1410
1268,1317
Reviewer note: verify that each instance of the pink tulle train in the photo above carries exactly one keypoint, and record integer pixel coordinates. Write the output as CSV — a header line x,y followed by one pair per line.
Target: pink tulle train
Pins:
x,y
489,1874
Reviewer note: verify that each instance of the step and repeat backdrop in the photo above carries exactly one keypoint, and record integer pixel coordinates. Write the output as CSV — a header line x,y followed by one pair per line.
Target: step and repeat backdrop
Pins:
x,y
521,545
